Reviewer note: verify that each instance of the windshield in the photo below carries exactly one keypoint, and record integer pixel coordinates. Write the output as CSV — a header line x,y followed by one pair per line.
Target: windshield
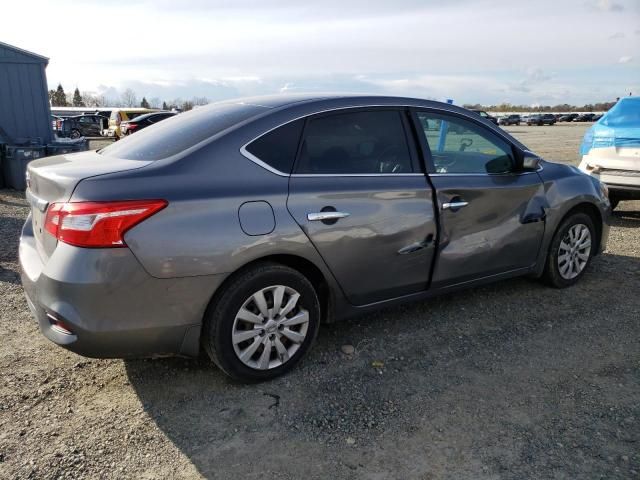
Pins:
x,y
625,113
181,132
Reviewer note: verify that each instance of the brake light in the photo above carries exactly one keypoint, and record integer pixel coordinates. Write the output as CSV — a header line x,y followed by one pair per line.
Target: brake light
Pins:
x,y
98,224
132,126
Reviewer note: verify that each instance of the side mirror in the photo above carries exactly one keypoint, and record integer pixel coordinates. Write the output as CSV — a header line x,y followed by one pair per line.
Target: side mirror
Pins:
x,y
530,161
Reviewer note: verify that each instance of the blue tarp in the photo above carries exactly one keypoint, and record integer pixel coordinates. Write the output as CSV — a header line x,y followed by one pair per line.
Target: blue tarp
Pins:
x,y
619,127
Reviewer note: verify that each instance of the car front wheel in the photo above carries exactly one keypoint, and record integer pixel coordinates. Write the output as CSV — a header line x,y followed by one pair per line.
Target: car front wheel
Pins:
x,y
262,323
571,251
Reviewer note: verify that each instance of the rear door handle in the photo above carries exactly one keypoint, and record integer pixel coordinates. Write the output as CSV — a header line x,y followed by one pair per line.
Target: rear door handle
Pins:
x,y
453,206
323,216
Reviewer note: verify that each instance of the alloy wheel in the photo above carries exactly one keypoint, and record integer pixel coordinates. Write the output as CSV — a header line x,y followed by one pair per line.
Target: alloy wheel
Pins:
x,y
270,327
574,250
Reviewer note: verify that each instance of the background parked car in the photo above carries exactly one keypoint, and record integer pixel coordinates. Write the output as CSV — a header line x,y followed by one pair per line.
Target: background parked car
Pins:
x,y
82,126
119,115
568,117
611,150
142,121
56,124
541,119
486,116
510,120
585,117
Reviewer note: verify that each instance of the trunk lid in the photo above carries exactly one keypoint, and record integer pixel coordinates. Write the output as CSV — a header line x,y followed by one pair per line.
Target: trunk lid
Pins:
x,y
53,179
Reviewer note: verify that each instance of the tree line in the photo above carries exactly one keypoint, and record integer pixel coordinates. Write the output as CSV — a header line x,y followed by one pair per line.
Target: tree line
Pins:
x,y
563,107
128,98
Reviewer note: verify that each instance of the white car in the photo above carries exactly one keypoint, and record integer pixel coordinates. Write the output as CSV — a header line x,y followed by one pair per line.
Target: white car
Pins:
x,y
611,150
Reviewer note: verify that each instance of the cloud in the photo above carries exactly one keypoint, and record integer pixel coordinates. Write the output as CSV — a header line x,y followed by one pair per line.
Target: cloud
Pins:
x,y
625,59
287,87
616,36
608,6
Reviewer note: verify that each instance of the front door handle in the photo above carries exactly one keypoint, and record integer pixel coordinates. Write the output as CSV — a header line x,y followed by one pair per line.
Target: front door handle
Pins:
x,y
453,206
324,216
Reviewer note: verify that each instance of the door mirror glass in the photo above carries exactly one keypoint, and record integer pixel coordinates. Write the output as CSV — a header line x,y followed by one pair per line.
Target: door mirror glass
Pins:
x,y
530,161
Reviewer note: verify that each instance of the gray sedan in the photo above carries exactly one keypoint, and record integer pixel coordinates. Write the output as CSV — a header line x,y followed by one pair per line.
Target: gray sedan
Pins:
x,y
238,228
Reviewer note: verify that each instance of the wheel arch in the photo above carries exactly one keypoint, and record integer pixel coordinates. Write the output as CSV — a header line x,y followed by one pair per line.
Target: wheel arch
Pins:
x,y
302,265
594,213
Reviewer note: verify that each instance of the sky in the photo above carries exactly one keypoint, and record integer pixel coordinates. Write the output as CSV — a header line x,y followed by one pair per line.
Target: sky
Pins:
x,y
481,51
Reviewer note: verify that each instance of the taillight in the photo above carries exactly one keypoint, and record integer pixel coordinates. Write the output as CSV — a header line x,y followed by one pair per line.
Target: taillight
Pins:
x,y
132,126
98,224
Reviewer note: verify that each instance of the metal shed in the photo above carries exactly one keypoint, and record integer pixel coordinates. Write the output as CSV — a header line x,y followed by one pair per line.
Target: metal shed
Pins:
x,y
25,114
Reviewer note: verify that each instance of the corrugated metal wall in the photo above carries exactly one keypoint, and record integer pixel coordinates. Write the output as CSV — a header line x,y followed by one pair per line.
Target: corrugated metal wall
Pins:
x,y
24,99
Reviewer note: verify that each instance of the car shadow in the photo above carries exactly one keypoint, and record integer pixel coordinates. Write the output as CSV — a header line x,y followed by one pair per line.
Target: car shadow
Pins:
x,y
406,360
626,218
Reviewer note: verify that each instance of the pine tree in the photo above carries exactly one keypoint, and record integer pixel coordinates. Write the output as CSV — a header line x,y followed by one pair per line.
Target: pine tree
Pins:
x,y
59,97
165,106
144,103
77,99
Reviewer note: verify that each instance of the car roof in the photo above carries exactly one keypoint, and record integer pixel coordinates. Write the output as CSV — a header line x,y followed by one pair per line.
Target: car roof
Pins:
x,y
338,100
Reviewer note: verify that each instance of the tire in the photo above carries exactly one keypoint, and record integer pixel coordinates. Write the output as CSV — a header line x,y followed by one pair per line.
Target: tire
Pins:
x,y
555,272
224,320
75,133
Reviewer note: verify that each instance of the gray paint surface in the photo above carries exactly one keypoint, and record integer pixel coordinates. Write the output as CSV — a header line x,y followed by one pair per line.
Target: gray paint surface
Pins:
x,y
185,252
24,100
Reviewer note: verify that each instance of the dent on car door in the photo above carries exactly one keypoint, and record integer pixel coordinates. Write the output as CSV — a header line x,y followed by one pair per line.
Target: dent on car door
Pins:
x,y
491,214
359,196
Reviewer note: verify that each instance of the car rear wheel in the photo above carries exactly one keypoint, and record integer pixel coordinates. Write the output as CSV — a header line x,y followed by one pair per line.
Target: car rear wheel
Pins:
x,y
75,134
262,323
571,251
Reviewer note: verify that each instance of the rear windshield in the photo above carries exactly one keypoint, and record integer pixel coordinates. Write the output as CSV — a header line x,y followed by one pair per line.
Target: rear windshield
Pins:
x,y
180,132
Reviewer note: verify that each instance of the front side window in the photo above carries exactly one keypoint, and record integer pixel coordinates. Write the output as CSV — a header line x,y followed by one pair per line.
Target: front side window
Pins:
x,y
460,146
364,142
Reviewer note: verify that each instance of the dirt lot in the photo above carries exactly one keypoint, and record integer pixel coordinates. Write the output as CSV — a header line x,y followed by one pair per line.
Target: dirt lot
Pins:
x,y
513,381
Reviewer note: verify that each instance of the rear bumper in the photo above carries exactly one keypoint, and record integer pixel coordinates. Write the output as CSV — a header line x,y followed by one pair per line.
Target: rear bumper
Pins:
x,y
111,305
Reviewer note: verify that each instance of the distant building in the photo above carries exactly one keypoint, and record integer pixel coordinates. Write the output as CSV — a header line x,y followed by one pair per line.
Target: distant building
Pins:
x,y
25,114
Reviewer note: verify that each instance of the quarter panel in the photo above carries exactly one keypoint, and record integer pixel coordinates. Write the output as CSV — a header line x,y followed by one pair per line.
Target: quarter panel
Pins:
x,y
566,187
199,232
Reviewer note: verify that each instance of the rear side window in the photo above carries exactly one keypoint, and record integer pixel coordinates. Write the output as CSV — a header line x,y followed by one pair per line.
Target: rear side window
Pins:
x,y
174,135
365,142
278,147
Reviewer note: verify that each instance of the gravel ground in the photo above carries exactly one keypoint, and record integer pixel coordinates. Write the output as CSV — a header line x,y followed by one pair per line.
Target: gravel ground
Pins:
x,y
510,381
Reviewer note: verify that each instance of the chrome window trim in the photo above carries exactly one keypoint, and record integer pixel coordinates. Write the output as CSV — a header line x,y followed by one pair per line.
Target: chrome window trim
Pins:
x,y
507,174
245,153
304,175
249,156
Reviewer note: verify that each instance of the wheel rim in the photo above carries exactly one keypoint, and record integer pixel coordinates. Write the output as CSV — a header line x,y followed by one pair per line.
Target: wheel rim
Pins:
x,y
574,250
270,327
